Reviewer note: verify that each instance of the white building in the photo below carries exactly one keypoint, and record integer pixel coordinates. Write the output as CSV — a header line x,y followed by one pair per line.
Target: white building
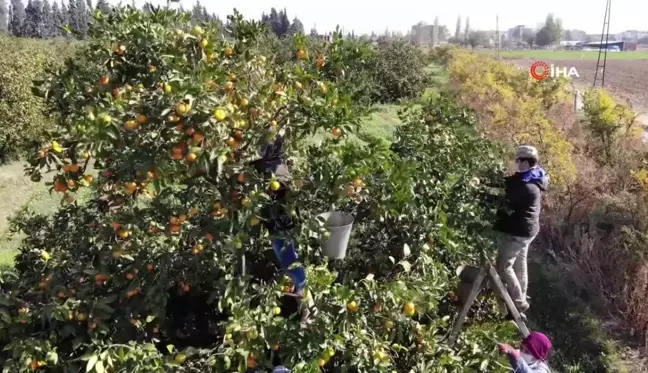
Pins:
x,y
633,35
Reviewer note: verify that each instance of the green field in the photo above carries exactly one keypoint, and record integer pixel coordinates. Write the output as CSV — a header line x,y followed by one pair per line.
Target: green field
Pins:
x,y
18,192
569,55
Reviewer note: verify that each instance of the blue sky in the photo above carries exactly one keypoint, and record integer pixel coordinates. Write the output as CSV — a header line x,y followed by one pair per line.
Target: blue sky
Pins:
x,y
365,16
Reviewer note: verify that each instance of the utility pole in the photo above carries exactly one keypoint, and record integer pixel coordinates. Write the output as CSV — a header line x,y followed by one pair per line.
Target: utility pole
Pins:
x,y
497,42
435,32
602,65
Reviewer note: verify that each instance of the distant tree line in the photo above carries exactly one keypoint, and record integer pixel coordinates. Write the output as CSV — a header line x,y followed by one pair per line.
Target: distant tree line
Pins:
x,y
280,25
550,33
43,19
468,36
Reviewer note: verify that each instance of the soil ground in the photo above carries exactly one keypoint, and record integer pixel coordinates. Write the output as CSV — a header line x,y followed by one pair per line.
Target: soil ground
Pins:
x,y
627,80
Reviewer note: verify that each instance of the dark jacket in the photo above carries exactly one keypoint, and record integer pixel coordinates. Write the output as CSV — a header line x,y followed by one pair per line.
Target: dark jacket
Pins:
x,y
523,199
276,214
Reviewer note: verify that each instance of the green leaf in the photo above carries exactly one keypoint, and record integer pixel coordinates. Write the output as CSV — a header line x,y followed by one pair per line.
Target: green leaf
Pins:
x,y
52,357
77,342
112,132
406,250
6,317
104,307
99,368
91,363
110,299
36,91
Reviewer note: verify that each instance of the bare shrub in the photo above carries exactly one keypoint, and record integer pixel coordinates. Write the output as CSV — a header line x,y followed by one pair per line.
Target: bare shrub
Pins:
x,y
595,214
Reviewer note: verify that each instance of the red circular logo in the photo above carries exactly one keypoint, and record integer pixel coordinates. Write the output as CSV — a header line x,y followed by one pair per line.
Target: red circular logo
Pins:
x,y
539,70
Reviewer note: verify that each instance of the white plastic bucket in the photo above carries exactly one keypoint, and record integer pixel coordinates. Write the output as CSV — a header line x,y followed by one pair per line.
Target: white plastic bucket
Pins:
x,y
339,225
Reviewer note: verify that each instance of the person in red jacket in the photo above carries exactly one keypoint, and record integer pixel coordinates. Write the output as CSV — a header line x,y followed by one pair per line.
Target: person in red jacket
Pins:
x,y
519,225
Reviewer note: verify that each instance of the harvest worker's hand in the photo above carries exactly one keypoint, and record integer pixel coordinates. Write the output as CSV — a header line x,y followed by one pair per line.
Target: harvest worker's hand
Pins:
x,y
508,349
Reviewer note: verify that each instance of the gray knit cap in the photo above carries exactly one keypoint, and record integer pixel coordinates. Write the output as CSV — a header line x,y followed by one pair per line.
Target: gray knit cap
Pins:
x,y
527,151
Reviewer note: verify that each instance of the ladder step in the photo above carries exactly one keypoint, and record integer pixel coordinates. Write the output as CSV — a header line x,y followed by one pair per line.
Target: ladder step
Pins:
x,y
478,284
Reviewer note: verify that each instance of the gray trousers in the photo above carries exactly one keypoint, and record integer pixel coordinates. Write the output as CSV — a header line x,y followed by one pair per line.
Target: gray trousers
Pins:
x,y
512,266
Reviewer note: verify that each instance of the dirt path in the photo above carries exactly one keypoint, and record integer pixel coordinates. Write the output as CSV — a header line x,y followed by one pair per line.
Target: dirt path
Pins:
x,y
643,119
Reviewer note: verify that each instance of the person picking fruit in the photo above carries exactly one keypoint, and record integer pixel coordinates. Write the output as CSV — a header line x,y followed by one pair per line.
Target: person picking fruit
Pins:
x,y
532,357
277,216
519,225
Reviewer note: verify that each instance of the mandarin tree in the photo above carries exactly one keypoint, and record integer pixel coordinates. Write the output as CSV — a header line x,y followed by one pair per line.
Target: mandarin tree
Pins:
x,y
147,276
170,116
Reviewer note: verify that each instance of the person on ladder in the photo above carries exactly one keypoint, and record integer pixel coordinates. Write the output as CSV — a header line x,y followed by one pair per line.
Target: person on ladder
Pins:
x,y
278,218
519,225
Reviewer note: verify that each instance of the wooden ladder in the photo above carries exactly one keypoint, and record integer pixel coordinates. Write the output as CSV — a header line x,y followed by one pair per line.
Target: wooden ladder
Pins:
x,y
479,283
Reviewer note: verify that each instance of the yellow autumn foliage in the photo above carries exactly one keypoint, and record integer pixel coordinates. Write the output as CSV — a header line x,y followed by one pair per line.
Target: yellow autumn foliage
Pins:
x,y
641,177
513,108
609,121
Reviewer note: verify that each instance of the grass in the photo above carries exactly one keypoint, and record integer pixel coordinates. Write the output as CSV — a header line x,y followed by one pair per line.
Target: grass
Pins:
x,y
440,78
17,192
569,55
381,123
